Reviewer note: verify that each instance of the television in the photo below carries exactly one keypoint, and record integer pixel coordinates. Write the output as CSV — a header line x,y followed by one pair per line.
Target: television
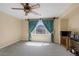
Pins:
x,y
65,33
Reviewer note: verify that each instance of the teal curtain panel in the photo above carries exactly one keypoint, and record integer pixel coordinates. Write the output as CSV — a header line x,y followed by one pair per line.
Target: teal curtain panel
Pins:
x,y
32,25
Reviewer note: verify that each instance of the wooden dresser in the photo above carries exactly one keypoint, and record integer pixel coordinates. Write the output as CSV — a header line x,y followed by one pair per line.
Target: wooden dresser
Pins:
x,y
65,41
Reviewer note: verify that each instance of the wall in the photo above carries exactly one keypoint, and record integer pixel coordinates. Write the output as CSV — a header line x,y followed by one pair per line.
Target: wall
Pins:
x,y
74,21
71,19
10,30
64,24
57,31
25,29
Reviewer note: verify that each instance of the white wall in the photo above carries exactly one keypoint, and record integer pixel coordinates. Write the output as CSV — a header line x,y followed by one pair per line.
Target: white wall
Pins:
x,y
57,31
70,20
10,30
25,30
64,24
74,21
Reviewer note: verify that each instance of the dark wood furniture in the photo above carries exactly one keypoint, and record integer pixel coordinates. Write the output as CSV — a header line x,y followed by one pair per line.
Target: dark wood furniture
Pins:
x,y
65,36
65,41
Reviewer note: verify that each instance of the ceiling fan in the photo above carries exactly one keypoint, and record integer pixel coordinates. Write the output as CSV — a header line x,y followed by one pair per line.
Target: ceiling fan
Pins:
x,y
28,8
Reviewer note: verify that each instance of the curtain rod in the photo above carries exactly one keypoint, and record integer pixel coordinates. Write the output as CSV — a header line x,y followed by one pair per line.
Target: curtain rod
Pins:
x,y
53,18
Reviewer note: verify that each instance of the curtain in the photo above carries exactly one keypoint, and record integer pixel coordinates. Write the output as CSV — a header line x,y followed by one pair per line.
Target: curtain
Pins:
x,y
48,22
32,25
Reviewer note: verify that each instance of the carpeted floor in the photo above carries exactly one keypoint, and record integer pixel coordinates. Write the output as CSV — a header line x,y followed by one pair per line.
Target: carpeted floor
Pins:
x,y
34,49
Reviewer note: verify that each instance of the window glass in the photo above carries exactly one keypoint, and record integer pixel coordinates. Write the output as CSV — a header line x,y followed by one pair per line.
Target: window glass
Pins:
x,y
40,29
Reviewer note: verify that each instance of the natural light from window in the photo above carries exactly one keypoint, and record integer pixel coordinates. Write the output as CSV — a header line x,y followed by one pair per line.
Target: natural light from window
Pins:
x,y
38,44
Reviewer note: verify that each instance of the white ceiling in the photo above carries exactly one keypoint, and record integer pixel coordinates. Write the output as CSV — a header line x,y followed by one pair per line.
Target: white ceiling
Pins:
x,y
46,10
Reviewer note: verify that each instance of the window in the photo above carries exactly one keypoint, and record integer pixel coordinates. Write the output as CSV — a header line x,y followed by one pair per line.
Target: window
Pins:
x,y
40,29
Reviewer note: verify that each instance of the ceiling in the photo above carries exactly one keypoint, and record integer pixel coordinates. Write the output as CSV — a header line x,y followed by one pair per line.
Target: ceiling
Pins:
x,y
46,10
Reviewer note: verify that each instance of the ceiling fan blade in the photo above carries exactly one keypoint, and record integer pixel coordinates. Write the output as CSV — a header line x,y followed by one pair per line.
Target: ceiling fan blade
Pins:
x,y
35,13
36,5
18,8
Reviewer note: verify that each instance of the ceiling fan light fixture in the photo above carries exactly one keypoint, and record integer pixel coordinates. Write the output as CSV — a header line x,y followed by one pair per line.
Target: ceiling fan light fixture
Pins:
x,y
27,8
27,11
